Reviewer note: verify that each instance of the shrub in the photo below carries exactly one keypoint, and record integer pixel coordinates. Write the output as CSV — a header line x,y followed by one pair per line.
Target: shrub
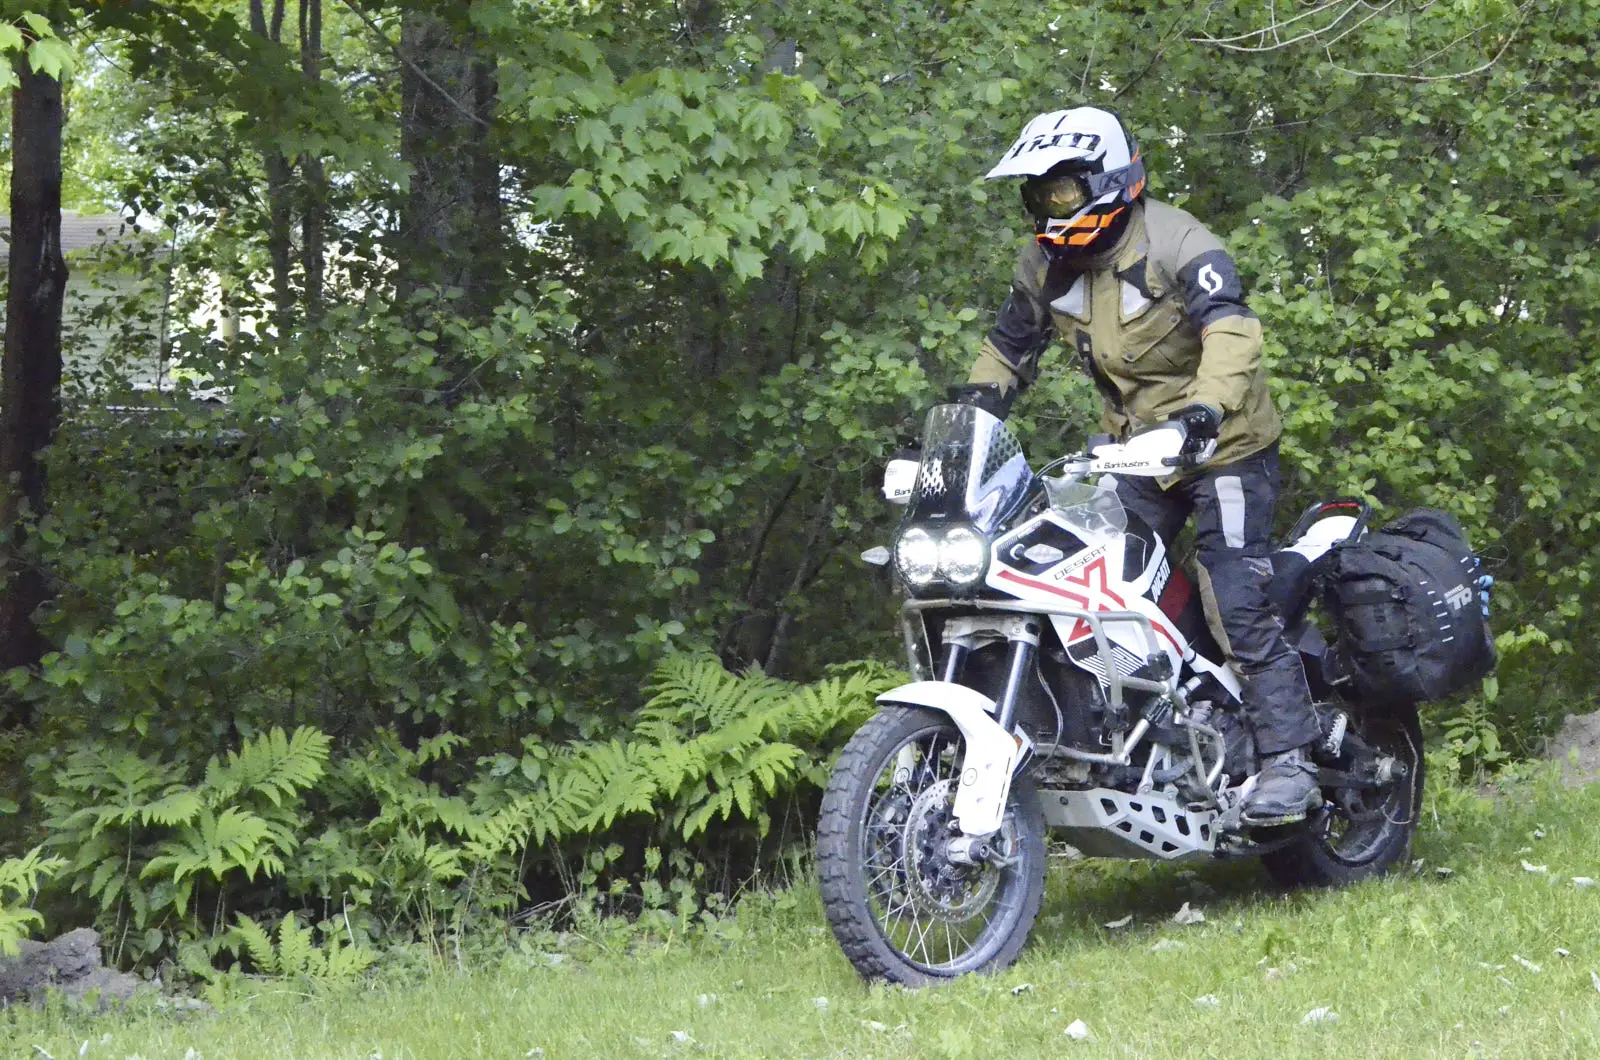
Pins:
x,y
391,840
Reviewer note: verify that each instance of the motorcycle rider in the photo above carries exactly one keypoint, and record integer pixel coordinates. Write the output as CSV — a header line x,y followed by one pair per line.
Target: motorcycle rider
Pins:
x,y
1153,305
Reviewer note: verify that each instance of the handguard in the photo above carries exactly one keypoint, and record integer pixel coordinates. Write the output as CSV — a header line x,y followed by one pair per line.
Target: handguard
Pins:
x,y
899,481
1151,453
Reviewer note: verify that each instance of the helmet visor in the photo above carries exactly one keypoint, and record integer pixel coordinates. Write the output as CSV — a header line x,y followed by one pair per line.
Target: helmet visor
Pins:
x,y
1059,197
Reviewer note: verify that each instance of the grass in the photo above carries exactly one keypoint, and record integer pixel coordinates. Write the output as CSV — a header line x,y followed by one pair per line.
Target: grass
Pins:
x,y
1416,965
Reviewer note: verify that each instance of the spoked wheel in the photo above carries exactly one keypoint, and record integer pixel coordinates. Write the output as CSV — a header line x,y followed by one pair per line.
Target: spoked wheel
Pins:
x,y
900,907
1363,831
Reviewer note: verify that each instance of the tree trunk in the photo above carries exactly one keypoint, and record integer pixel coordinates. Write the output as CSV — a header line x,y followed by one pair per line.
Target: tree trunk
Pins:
x,y
451,219
30,373
314,218
811,560
280,244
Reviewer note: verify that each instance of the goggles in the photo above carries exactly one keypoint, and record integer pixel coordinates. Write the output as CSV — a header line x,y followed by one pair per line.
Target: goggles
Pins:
x,y
1077,232
1065,194
1060,196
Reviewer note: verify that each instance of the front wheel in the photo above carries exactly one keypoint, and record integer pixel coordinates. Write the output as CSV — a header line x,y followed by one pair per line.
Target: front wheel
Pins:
x,y
1364,832
899,907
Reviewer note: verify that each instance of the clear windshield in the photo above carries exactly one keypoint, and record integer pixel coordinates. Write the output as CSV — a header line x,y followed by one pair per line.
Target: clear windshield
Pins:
x,y
1086,507
972,469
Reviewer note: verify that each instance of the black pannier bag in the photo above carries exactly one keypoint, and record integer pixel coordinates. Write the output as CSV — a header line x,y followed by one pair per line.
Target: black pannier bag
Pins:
x,y
1404,599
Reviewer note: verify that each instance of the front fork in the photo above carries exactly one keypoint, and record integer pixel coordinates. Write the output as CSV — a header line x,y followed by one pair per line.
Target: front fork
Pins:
x,y
986,778
995,749
1023,638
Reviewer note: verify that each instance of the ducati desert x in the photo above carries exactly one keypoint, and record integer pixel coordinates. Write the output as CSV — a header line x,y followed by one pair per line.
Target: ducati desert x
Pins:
x,y
1067,681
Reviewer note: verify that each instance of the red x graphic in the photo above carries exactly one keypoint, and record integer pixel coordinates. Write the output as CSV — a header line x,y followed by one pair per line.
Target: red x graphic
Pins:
x,y
1093,594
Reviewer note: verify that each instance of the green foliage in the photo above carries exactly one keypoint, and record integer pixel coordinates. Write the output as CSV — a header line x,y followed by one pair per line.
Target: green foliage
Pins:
x,y
1473,739
138,835
296,954
387,837
33,35
452,534
19,882
707,746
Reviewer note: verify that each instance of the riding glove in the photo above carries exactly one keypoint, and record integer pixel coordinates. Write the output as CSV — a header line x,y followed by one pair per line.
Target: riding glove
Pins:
x,y
1201,424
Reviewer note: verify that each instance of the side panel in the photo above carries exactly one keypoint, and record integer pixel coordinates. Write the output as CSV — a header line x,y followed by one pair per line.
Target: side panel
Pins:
x,y
1091,579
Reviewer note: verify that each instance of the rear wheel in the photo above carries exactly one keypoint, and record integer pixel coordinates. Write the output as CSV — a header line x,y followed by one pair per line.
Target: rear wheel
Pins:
x,y
1364,831
900,908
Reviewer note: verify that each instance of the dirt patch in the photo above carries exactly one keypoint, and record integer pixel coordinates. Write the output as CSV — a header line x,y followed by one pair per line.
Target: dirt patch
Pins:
x,y
1577,747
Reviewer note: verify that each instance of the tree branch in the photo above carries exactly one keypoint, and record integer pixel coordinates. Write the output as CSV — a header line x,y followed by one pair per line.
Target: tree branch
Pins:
x,y
1434,55
1094,41
1181,24
1510,38
802,575
1327,46
1274,26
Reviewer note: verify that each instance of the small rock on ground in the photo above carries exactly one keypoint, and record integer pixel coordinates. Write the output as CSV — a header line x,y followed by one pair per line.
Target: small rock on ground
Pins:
x,y
69,965
1577,747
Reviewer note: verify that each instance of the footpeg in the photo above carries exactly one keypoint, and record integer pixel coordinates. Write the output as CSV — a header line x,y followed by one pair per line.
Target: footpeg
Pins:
x,y
1334,739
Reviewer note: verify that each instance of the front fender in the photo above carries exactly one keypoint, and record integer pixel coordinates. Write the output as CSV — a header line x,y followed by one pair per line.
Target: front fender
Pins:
x,y
991,752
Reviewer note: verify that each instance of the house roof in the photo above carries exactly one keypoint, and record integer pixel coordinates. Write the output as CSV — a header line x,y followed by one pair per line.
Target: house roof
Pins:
x,y
78,231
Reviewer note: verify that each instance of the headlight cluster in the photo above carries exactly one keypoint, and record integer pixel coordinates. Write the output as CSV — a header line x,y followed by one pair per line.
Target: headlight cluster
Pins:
x,y
959,555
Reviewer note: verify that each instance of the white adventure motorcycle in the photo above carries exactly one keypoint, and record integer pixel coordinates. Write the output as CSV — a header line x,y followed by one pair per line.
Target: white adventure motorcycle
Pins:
x,y
1066,680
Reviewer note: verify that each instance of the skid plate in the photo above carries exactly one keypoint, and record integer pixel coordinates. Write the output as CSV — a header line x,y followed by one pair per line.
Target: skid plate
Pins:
x,y
1103,823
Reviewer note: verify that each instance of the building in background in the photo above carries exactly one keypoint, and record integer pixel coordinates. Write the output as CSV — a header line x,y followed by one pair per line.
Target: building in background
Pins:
x,y
116,321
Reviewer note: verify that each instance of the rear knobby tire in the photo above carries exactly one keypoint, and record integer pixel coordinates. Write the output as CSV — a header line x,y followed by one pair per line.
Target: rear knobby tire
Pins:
x,y
1343,852
871,806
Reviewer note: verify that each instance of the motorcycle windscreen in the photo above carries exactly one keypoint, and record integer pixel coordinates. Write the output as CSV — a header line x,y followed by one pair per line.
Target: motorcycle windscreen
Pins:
x,y
972,471
1089,509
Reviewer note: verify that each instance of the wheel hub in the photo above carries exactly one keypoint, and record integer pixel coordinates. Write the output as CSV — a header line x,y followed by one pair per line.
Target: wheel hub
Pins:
x,y
939,886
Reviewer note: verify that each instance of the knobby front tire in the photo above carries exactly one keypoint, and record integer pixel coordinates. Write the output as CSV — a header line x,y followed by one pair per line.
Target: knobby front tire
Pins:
x,y
900,911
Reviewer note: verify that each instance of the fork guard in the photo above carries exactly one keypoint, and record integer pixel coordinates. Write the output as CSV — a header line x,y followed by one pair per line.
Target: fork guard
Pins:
x,y
991,755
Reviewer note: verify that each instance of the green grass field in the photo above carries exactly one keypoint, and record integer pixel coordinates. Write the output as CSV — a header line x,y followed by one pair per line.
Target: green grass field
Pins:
x,y
1416,965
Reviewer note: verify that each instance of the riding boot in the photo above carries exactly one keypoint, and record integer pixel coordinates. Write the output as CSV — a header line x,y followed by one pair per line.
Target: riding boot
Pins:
x,y
1285,791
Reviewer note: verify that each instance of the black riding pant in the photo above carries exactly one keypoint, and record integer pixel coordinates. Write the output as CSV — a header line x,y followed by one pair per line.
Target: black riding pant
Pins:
x,y
1232,507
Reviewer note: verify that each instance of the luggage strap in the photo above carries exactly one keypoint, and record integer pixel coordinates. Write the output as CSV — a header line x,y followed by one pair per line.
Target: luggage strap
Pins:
x,y
1373,596
1386,645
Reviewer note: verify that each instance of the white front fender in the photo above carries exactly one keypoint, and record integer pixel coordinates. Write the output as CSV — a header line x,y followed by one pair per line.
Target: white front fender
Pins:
x,y
991,753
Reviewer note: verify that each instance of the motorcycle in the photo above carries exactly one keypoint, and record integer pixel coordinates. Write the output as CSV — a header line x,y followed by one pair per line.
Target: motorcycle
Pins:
x,y
1066,682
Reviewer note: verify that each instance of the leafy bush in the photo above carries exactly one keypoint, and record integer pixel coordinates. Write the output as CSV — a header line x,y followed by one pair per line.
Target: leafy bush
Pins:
x,y
384,839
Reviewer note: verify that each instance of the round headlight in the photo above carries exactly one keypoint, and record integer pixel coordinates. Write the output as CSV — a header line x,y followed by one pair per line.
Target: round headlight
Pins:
x,y
917,556
963,555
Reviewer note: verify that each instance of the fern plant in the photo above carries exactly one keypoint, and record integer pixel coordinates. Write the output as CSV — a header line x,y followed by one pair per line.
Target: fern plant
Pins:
x,y
417,837
708,745
295,953
138,836
19,882
401,850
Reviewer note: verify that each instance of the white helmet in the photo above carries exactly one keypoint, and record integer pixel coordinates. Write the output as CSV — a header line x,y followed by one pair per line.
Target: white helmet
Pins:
x,y
1083,169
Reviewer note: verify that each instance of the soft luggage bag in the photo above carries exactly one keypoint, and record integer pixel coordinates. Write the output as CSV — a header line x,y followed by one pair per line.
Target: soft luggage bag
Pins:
x,y
1405,604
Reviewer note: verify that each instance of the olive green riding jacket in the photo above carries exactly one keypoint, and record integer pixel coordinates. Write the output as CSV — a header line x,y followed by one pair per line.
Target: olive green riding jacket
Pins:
x,y
1159,321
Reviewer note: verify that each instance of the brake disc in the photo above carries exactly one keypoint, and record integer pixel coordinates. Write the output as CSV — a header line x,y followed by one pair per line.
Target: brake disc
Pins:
x,y
938,886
